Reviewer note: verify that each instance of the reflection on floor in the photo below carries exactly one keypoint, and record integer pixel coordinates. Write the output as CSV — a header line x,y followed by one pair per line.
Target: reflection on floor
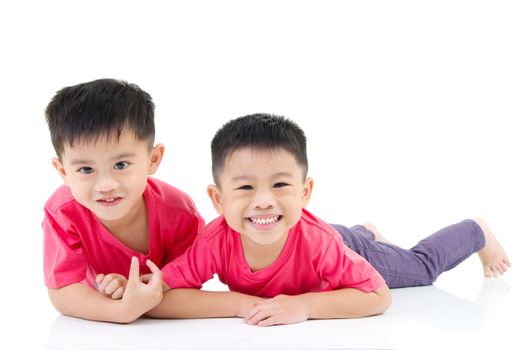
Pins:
x,y
419,318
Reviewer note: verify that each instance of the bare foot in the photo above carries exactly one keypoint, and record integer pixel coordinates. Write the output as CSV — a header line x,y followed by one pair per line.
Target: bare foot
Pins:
x,y
377,235
494,259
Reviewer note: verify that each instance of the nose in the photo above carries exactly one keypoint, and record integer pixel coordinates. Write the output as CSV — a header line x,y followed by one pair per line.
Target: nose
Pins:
x,y
106,183
263,200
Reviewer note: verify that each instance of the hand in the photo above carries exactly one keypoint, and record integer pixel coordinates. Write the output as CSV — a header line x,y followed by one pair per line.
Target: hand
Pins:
x,y
246,304
112,285
282,309
146,277
140,297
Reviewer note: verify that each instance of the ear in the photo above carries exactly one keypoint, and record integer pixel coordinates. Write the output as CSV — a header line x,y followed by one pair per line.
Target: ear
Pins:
x,y
216,198
57,164
155,158
307,191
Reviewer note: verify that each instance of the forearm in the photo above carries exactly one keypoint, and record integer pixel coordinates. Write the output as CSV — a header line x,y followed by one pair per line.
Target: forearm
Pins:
x,y
195,303
346,303
79,300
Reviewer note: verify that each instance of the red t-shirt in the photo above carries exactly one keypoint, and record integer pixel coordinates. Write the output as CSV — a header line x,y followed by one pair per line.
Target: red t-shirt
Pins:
x,y
313,259
77,246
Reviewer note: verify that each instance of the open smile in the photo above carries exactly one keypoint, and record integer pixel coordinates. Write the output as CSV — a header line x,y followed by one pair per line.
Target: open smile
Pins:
x,y
109,201
266,222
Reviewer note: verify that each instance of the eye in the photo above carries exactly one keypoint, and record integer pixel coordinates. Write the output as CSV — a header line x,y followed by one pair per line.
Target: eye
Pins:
x,y
245,188
280,185
121,165
85,170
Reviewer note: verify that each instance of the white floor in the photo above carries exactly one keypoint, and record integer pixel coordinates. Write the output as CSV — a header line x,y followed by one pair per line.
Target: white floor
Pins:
x,y
456,313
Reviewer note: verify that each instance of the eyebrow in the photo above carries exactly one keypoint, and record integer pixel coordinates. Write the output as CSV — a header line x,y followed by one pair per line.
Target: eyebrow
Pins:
x,y
247,177
119,156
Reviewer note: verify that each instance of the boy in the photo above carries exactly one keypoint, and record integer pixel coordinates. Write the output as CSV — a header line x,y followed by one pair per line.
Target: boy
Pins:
x,y
277,258
109,216
281,263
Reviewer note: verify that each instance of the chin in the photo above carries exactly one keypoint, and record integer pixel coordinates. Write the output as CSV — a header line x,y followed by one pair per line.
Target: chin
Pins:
x,y
109,217
267,240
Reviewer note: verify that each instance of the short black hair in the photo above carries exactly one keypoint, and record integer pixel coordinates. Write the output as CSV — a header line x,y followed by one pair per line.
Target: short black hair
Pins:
x,y
103,107
258,131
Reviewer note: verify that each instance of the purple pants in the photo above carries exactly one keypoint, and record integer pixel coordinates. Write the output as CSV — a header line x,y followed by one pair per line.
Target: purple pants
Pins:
x,y
423,263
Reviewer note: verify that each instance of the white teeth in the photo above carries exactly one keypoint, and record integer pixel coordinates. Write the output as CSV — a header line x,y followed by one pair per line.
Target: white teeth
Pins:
x,y
108,199
264,221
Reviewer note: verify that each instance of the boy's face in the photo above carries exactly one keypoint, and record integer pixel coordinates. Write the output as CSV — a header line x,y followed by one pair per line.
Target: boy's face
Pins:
x,y
261,194
109,176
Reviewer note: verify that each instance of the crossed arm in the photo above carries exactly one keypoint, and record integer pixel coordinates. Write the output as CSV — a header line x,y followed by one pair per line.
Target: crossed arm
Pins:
x,y
142,295
82,301
282,309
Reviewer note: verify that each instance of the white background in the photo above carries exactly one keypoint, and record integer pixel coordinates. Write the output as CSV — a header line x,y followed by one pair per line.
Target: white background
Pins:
x,y
414,111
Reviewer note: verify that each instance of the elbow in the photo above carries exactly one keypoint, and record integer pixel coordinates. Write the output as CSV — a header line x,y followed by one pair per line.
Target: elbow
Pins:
x,y
377,303
384,300
56,301
72,301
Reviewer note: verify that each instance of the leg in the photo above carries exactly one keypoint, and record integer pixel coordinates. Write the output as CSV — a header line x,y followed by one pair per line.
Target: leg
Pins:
x,y
399,267
493,257
423,263
377,235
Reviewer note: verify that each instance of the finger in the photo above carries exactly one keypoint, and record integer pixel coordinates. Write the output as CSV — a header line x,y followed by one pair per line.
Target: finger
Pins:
x,y
99,278
156,273
97,282
270,321
153,267
113,286
259,316
252,312
104,283
133,275
118,294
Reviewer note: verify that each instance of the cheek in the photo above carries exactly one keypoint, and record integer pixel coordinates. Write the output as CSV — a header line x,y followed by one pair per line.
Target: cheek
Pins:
x,y
292,198
234,220
137,184
80,193
84,186
294,205
233,211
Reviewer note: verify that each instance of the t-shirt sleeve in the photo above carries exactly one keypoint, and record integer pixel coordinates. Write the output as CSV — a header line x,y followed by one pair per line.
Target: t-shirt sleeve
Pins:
x,y
187,230
64,260
191,269
343,268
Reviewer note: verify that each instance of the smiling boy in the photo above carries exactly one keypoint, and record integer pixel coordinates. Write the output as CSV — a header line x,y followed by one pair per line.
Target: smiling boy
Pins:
x,y
284,265
281,263
111,219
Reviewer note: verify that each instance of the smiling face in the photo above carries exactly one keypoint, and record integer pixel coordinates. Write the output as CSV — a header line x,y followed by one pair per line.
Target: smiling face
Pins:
x,y
109,176
261,193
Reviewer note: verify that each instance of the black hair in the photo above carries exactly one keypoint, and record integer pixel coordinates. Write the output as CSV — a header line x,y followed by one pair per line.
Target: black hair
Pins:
x,y
258,131
99,108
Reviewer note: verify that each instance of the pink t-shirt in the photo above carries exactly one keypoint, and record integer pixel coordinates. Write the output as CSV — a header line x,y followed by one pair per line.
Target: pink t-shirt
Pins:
x,y
313,258
77,246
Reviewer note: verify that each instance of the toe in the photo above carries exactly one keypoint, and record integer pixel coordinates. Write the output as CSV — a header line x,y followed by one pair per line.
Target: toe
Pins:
x,y
487,272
